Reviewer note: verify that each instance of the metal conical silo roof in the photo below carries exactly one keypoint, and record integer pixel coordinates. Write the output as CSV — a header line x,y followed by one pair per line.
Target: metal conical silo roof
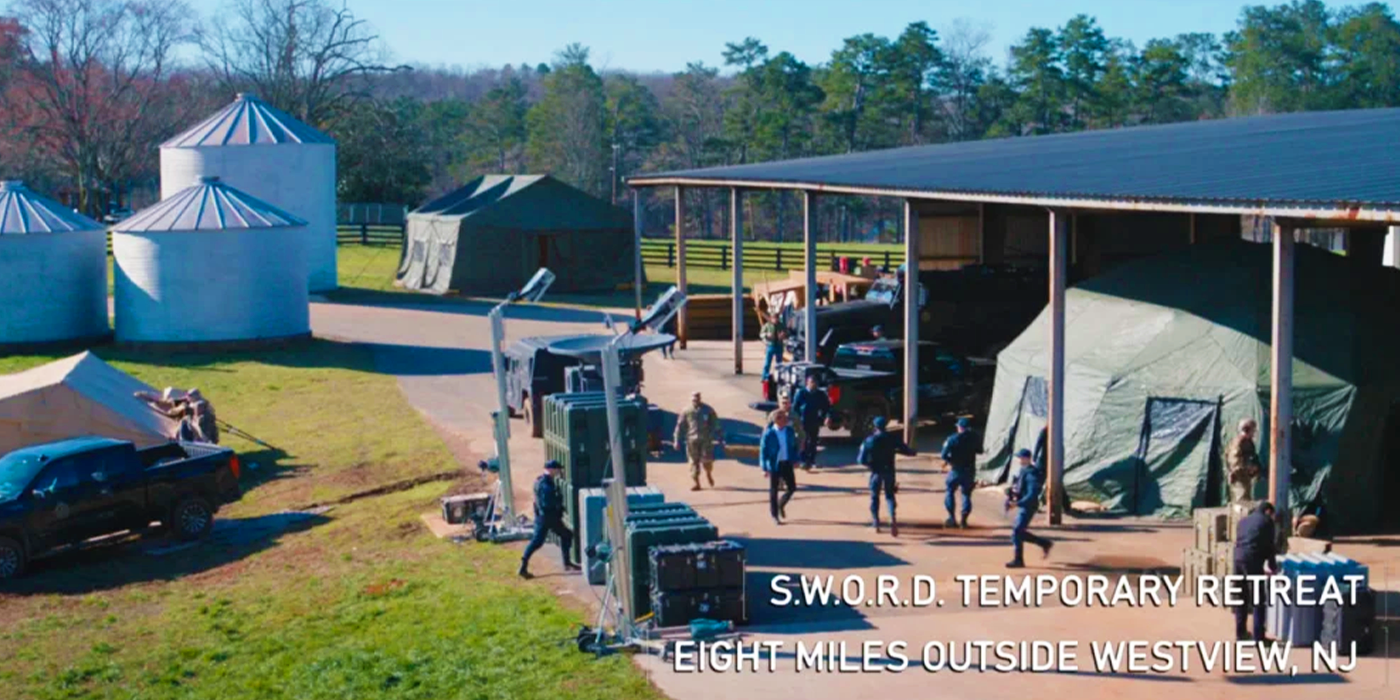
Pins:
x,y
208,206
22,211
248,121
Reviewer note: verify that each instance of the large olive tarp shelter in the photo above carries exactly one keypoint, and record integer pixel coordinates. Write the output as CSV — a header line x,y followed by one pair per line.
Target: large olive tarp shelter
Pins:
x,y
492,234
1165,355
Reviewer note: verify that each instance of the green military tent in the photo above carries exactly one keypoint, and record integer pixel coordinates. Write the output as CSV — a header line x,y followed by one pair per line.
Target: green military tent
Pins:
x,y
1165,355
489,236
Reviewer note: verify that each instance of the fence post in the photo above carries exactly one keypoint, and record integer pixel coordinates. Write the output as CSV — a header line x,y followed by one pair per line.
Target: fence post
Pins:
x,y
670,255
833,261
779,264
364,234
724,258
887,260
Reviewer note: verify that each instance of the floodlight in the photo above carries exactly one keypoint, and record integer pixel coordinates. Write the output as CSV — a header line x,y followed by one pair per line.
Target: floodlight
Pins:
x,y
661,312
534,290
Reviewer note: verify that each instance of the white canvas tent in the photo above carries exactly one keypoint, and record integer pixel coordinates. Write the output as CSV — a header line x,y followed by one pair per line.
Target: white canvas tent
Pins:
x,y
76,396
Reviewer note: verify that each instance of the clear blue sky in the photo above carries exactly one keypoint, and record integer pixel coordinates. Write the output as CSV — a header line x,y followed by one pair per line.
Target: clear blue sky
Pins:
x,y
664,35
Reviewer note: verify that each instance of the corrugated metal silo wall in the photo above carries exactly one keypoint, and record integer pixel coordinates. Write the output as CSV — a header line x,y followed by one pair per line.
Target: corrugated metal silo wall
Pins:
x,y
53,287
299,178
211,286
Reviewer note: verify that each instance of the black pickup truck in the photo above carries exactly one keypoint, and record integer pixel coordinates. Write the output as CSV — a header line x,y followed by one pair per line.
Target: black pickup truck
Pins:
x,y
976,310
63,493
865,380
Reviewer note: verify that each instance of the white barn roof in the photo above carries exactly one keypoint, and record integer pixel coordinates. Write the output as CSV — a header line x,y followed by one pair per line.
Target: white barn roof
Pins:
x,y
248,121
22,212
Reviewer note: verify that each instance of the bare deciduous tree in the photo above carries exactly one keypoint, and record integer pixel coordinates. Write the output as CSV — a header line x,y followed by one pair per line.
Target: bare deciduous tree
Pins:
x,y
91,75
303,56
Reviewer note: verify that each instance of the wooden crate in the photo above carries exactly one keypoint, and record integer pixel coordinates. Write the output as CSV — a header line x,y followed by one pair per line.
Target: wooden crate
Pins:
x,y
1195,563
1212,525
711,317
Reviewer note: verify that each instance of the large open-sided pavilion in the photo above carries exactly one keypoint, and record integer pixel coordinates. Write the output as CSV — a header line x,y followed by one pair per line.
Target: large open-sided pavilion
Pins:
x,y
1092,199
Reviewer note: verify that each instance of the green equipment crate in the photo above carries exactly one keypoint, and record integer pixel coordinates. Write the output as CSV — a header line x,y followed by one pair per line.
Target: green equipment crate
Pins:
x,y
592,525
576,435
641,537
682,511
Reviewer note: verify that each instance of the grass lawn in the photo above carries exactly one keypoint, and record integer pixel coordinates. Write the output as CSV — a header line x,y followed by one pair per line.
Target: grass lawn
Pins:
x,y
359,603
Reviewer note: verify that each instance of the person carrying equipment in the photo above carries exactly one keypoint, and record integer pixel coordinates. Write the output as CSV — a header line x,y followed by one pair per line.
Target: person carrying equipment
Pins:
x,y
1025,495
549,517
1256,547
699,425
812,406
877,454
960,452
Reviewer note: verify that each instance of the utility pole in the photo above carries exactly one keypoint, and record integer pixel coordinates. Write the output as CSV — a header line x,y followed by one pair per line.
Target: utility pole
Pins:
x,y
614,174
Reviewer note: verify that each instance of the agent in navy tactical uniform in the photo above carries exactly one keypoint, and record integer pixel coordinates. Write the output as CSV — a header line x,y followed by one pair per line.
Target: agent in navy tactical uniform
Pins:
x,y
1256,546
812,406
960,452
877,454
1025,495
549,517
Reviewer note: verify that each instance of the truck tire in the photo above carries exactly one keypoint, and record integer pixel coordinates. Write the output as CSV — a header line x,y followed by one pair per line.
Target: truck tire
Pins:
x,y
534,407
863,423
191,519
12,559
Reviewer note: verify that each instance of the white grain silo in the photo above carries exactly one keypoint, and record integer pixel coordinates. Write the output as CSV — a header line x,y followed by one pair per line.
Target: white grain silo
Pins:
x,y
53,271
267,153
210,264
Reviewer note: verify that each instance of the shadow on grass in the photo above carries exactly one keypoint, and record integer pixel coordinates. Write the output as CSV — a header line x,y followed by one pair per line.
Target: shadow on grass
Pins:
x,y
144,559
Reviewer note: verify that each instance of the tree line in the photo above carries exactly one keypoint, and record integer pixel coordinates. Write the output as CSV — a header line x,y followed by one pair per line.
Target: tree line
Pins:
x,y
86,113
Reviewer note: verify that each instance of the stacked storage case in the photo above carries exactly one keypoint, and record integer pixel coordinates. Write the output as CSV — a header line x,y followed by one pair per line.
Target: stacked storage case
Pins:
x,y
1213,553
693,581
576,435
646,530
592,506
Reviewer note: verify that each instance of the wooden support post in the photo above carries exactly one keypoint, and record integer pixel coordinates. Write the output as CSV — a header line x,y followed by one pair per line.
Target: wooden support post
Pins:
x,y
809,261
638,278
981,233
1281,383
1055,447
736,224
911,322
1392,241
682,317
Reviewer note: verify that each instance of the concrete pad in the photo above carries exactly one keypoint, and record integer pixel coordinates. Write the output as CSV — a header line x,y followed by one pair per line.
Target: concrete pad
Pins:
x,y
826,535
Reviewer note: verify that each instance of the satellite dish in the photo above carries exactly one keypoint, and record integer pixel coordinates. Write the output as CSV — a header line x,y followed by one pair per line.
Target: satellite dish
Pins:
x,y
661,312
589,348
534,290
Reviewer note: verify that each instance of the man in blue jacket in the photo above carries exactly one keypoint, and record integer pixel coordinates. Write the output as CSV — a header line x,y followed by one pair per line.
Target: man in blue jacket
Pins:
x,y
777,450
1025,495
549,517
877,454
812,406
960,452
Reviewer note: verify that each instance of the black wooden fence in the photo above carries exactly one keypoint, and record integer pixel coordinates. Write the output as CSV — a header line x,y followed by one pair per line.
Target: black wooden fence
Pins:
x,y
760,256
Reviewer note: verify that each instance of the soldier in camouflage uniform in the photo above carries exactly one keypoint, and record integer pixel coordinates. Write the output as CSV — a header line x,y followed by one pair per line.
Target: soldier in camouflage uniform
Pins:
x,y
700,427
1242,462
